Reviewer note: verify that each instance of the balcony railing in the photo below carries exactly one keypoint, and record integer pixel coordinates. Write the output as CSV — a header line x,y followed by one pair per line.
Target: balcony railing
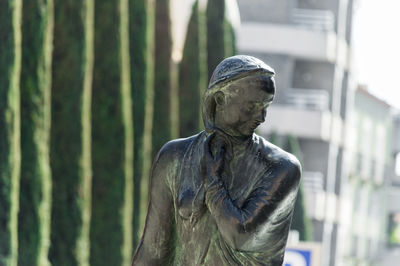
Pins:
x,y
307,98
313,181
314,19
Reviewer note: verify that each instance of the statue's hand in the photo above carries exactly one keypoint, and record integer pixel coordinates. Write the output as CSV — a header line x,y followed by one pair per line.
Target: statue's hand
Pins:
x,y
213,165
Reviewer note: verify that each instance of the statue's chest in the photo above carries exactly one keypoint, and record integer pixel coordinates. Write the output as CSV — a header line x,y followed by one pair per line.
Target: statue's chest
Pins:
x,y
238,179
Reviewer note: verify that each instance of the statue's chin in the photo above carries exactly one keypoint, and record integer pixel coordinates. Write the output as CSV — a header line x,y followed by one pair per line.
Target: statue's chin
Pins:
x,y
242,133
247,132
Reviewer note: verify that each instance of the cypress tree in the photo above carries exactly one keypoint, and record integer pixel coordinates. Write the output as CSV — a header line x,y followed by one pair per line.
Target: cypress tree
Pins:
x,y
10,65
220,35
300,221
193,73
215,34
71,132
35,195
162,123
142,76
112,136
229,39
273,138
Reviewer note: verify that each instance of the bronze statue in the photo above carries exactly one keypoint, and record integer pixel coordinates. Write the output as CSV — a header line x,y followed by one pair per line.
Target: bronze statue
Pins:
x,y
224,196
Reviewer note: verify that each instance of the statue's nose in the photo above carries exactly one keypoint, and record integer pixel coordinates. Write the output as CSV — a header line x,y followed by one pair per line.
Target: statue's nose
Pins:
x,y
261,116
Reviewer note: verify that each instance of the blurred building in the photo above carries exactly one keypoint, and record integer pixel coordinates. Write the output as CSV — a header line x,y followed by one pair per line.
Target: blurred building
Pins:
x,y
308,43
349,139
366,178
390,255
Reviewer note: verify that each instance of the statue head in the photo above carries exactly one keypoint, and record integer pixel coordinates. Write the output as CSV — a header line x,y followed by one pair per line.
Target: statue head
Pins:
x,y
240,90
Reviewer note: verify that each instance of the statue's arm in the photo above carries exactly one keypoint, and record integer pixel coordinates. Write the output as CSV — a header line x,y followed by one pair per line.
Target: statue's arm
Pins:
x,y
238,225
155,245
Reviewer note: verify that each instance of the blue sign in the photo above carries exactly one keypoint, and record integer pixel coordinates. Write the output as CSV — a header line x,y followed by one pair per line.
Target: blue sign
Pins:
x,y
297,257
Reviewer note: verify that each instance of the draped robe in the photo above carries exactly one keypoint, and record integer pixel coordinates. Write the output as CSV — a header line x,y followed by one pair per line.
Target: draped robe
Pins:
x,y
243,219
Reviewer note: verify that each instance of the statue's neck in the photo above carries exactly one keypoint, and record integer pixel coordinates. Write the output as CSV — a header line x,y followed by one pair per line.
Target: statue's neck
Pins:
x,y
233,141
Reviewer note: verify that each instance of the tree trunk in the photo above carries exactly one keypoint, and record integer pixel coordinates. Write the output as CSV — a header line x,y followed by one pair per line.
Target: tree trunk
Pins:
x,y
71,132
10,158
35,196
112,208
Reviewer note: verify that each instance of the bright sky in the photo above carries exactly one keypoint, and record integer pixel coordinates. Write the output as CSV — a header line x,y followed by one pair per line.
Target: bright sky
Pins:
x,y
377,47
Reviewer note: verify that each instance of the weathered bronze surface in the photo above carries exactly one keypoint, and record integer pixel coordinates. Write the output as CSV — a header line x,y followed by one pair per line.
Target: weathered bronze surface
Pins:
x,y
224,196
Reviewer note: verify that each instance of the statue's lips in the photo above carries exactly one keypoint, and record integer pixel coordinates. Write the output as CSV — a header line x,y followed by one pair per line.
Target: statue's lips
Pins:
x,y
255,125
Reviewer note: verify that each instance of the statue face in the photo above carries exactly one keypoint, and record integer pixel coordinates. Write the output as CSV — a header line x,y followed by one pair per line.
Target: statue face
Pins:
x,y
244,106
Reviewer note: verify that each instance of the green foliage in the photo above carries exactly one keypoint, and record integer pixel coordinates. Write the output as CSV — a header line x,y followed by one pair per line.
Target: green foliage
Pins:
x,y
112,136
230,39
70,132
274,138
142,57
215,34
193,74
35,195
220,35
300,220
10,65
120,51
162,124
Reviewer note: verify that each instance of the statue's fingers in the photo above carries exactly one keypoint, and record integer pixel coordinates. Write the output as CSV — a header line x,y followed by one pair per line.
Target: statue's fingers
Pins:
x,y
221,151
207,144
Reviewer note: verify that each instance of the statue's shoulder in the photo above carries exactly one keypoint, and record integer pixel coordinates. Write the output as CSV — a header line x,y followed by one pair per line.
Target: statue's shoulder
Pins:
x,y
282,160
175,149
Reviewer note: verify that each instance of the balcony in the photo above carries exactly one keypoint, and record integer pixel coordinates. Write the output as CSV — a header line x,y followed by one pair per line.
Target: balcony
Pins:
x,y
308,34
304,113
313,99
321,20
